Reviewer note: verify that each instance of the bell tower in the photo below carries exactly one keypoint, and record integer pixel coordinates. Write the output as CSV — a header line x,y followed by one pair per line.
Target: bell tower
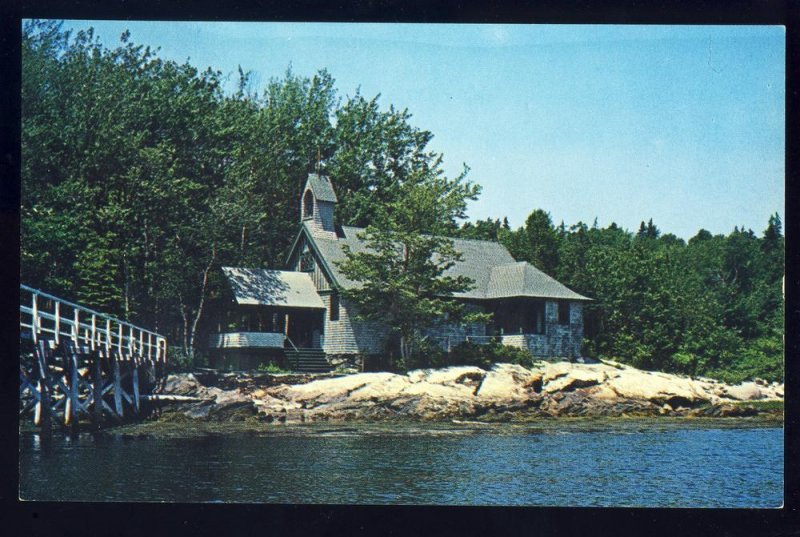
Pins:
x,y
317,204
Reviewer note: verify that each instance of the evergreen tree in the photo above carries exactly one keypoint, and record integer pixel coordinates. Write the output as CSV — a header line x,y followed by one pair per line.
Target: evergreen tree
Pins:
x,y
140,177
401,274
542,241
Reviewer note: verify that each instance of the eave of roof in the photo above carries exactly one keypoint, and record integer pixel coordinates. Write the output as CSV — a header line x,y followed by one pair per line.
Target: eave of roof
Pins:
x,y
521,279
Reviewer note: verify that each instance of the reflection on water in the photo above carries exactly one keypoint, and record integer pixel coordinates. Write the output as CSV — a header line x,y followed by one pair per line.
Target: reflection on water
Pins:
x,y
606,465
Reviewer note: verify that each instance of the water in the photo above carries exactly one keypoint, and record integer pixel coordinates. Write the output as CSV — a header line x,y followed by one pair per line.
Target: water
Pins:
x,y
569,464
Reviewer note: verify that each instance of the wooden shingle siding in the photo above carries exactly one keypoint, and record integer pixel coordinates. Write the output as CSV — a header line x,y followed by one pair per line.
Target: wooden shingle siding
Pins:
x,y
321,281
322,221
318,277
349,335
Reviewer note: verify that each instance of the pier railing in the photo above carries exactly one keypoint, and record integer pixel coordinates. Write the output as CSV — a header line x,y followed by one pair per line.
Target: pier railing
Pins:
x,y
44,316
83,363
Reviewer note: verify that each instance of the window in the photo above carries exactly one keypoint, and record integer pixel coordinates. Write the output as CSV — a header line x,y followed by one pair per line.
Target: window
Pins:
x,y
306,262
563,313
334,309
308,205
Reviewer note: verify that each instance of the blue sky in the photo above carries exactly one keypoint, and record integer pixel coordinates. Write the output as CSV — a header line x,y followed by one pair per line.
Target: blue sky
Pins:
x,y
681,124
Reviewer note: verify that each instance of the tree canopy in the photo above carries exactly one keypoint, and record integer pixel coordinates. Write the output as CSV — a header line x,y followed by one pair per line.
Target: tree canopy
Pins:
x,y
141,176
712,306
402,272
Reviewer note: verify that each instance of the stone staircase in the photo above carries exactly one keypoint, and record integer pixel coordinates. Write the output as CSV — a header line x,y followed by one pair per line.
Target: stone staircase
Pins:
x,y
307,360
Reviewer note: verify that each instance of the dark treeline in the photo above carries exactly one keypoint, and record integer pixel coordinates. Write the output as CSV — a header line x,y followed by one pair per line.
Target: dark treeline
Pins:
x,y
140,176
712,306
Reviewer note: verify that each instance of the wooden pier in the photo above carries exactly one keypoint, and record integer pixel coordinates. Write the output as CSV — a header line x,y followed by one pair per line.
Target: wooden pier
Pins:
x,y
77,363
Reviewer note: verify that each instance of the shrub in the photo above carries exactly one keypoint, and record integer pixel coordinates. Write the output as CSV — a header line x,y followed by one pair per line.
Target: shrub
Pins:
x,y
178,361
484,356
684,362
427,354
761,358
270,367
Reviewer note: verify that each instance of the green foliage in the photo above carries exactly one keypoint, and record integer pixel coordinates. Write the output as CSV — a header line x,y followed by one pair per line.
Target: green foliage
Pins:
x,y
271,367
401,273
375,153
484,356
486,230
140,176
179,361
543,241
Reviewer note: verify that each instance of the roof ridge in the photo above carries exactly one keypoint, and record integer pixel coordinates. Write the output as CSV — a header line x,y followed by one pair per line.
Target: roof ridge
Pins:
x,y
442,236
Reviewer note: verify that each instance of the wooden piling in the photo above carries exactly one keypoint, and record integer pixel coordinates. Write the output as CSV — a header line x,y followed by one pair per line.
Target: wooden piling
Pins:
x,y
135,384
97,390
152,380
72,403
42,416
117,385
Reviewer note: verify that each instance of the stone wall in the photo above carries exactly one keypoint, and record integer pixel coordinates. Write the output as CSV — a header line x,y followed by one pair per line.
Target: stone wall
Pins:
x,y
559,340
350,336
453,334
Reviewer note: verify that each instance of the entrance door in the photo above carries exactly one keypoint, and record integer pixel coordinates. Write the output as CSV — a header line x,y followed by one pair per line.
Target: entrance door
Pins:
x,y
305,328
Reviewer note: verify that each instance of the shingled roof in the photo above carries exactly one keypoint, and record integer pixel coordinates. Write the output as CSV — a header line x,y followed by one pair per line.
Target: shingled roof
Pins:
x,y
321,187
523,279
489,264
264,287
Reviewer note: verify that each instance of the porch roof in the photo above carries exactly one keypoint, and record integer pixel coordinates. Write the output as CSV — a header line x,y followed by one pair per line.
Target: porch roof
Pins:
x,y
263,287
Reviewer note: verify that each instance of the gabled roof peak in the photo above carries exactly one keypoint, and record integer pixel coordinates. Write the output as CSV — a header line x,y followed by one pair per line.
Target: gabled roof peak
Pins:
x,y
488,263
321,187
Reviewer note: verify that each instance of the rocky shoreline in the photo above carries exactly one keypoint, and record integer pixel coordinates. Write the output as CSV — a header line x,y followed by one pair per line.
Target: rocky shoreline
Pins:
x,y
506,393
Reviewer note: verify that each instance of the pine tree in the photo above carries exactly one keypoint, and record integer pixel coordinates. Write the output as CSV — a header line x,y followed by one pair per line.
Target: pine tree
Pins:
x,y
542,241
401,274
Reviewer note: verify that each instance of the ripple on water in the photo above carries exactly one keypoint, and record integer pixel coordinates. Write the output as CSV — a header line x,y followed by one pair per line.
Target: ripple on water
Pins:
x,y
569,464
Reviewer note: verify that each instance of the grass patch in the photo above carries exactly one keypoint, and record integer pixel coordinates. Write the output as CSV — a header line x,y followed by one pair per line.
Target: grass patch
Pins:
x,y
763,406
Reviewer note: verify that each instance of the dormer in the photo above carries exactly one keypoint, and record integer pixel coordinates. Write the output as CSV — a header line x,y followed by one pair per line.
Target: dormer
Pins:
x,y
317,204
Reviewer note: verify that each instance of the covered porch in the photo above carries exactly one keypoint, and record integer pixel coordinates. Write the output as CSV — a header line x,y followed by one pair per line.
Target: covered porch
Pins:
x,y
268,327
516,316
267,315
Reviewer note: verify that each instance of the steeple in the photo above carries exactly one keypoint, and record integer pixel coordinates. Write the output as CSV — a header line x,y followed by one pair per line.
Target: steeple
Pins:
x,y
317,204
